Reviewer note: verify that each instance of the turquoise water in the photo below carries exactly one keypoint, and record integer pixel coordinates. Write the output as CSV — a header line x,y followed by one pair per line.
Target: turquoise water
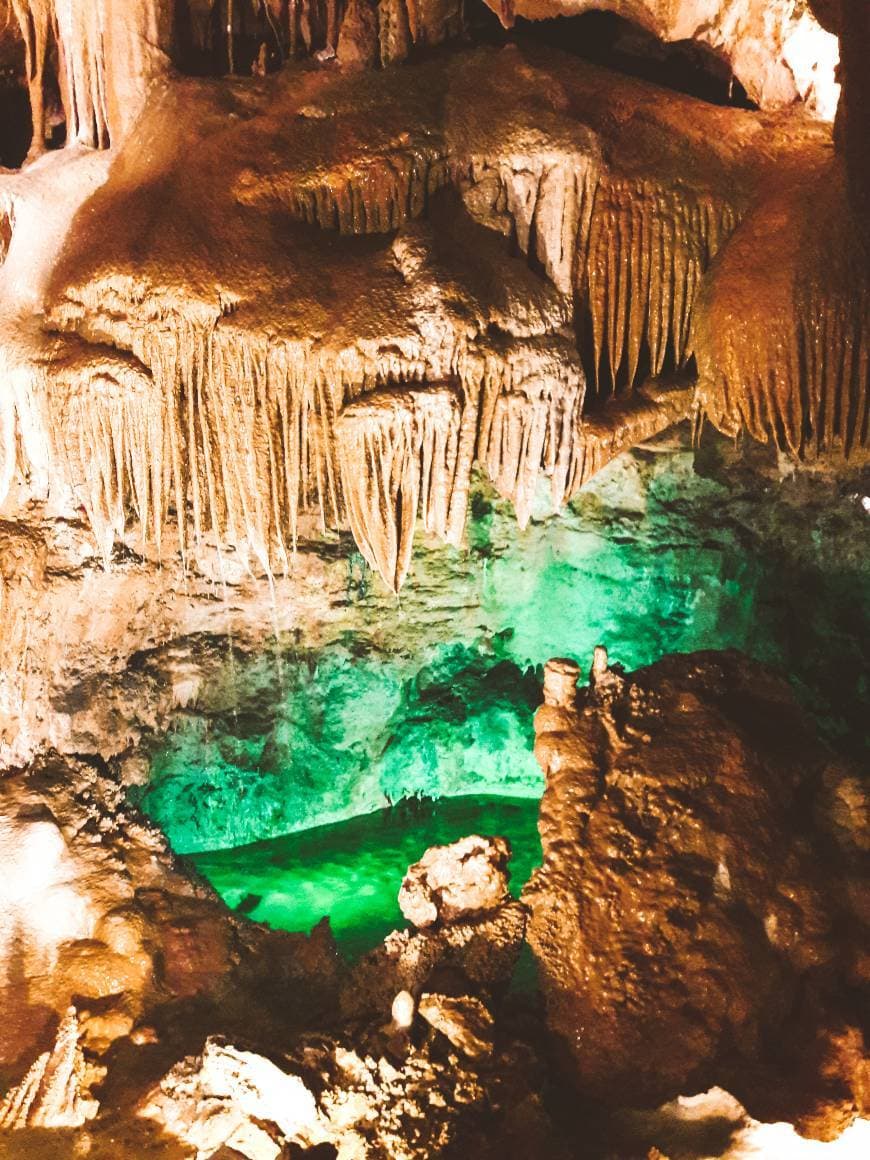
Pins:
x,y
433,695
302,750
352,871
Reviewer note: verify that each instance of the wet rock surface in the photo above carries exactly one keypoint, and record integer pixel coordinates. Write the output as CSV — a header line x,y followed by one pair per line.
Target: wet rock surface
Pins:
x,y
482,953
697,916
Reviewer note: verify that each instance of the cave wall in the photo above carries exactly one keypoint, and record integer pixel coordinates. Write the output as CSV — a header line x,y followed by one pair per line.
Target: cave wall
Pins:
x,y
776,48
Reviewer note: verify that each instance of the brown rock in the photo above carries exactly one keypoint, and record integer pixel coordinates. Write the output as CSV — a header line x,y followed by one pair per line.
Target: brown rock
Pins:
x,y
483,952
465,1021
687,920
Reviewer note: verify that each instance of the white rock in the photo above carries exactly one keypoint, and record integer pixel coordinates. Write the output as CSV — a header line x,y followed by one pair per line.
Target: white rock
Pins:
x,y
466,878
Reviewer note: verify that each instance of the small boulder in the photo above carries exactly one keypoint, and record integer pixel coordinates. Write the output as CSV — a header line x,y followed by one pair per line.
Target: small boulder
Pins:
x,y
465,1022
455,882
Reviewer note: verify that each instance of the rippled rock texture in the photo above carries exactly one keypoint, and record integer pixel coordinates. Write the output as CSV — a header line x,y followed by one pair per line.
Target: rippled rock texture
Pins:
x,y
700,915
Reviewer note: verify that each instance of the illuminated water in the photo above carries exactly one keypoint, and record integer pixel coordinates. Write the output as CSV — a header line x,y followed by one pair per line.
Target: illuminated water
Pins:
x,y
352,871
432,696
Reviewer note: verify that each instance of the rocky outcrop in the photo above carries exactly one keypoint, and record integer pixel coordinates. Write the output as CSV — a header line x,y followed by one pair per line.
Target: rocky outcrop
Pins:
x,y
695,917
483,952
417,1072
52,1094
96,910
467,879
775,48
449,1083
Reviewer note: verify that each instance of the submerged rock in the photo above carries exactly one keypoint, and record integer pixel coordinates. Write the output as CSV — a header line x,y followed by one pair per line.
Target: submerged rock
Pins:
x,y
690,919
466,879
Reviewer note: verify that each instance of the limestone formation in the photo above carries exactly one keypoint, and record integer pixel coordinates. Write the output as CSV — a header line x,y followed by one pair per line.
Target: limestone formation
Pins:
x,y
231,1099
211,384
467,879
465,1022
483,951
283,293
52,1094
352,1095
687,919
96,910
775,48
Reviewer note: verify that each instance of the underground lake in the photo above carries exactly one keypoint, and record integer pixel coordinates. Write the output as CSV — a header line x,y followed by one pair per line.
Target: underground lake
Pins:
x,y
308,780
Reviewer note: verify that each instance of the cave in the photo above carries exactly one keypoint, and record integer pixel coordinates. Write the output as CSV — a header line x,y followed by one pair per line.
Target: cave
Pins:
x,y
616,42
16,131
434,579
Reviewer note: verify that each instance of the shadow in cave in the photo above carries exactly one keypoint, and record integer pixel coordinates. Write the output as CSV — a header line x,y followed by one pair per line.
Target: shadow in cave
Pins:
x,y
604,38
15,124
242,39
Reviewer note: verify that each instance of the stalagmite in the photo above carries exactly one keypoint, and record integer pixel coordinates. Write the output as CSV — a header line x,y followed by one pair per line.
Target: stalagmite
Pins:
x,y
398,452
50,1095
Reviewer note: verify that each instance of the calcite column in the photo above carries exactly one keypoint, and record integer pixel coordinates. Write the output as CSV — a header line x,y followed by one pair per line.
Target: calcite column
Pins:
x,y
109,51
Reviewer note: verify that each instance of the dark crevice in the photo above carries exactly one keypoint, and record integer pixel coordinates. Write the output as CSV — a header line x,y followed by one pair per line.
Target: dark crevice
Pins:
x,y
15,123
258,43
686,66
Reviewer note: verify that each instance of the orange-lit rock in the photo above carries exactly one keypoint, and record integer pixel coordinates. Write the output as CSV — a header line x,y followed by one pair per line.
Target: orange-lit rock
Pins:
x,y
689,920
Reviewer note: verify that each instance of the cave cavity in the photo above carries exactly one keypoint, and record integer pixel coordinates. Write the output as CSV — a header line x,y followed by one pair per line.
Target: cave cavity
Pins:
x,y
619,43
16,127
404,710
352,870
237,37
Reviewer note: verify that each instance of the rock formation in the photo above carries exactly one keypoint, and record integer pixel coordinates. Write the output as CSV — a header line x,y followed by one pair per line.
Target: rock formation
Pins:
x,y
264,296
466,879
208,365
51,1095
774,47
96,911
698,915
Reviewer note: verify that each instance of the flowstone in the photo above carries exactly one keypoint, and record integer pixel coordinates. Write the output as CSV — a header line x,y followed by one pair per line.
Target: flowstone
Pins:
x,y
699,917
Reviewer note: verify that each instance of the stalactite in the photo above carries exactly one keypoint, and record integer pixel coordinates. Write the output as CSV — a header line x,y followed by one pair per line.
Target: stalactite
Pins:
x,y
79,28
648,249
398,451
791,365
620,424
233,438
90,423
633,251
544,199
50,1095
248,435
531,401
374,196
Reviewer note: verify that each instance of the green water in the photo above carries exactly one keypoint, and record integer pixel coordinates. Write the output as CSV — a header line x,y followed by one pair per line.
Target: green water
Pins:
x,y
352,870
432,696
